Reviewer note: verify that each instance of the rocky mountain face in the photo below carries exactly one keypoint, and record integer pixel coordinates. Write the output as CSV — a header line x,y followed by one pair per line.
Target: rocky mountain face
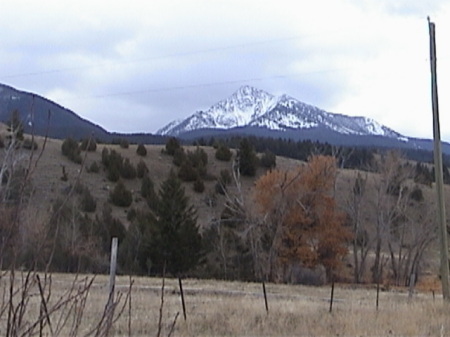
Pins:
x,y
253,108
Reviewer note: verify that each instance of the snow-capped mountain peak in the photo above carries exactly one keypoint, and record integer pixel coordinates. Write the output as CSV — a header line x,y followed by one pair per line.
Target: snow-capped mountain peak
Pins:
x,y
251,107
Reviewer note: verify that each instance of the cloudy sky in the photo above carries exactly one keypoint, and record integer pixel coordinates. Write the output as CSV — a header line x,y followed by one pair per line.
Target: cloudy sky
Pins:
x,y
134,66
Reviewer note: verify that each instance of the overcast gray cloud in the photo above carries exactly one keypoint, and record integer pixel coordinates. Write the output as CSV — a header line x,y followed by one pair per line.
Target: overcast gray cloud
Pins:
x,y
136,66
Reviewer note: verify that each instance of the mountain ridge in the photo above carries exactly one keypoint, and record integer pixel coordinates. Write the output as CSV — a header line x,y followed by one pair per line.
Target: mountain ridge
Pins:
x,y
251,104
252,107
43,117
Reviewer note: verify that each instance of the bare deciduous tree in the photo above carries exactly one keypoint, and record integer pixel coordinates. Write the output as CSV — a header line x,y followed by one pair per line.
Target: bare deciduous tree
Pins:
x,y
362,242
404,226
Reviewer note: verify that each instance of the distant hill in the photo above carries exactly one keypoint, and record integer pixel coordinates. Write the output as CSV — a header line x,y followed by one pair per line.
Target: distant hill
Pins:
x,y
45,117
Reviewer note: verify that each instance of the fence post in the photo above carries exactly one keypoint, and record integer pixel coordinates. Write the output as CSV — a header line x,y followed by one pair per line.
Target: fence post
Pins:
x,y
412,283
332,294
112,271
110,305
182,297
265,297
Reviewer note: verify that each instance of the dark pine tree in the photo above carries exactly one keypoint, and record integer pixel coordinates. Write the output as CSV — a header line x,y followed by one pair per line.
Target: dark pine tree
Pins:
x,y
177,243
248,161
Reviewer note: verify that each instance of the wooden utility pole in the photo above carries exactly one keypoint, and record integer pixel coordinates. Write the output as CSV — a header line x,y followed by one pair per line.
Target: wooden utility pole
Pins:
x,y
438,167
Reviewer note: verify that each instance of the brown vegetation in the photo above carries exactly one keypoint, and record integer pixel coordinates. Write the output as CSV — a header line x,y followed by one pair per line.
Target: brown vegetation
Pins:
x,y
300,212
218,308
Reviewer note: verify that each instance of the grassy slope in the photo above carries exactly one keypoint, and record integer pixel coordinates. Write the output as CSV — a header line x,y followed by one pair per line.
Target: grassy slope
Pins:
x,y
48,185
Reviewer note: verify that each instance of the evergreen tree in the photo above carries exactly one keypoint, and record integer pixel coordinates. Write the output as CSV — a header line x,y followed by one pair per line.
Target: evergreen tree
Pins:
x,y
199,185
268,160
88,144
94,168
127,170
71,150
179,156
106,227
136,247
120,196
141,150
148,192
87,201
141,169
172,145
177,244
223,153
248,161
124,143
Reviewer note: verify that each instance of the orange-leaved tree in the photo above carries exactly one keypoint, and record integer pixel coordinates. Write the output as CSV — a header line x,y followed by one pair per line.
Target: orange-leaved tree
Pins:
x,y
306,226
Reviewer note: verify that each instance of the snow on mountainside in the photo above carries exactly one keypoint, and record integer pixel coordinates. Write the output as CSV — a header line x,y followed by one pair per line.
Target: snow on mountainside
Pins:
x,y
256,108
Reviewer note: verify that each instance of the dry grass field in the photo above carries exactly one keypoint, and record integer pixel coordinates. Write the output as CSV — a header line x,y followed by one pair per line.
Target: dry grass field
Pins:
x,y
219,308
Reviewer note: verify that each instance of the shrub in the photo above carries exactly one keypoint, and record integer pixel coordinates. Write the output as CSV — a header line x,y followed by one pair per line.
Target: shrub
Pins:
x,y
141,169
131,214
115,159
94,167
223,153
124,143
105,157
128,171
225,177
198,157
187,172
120,196
113,162
199,185
148,192
417,194
172,145
113,174
87,201
141,150
88,144
179,157
147,187
68,146
268,160
71,150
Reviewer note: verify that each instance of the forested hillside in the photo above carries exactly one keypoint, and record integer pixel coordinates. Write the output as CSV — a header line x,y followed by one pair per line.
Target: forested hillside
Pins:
x,y
216,211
